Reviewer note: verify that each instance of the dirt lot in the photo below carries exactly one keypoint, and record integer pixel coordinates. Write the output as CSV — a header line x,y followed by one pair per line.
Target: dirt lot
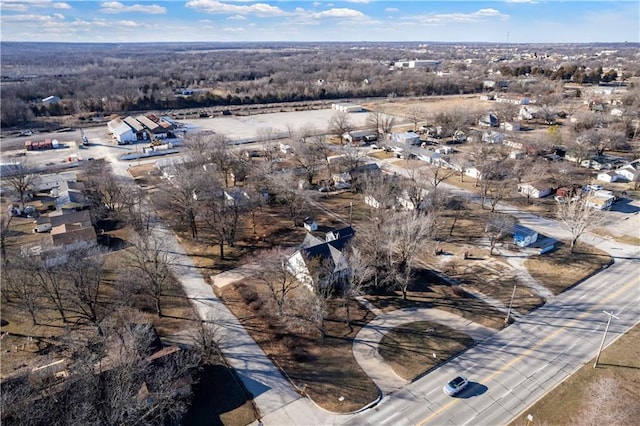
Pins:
x,y
616,401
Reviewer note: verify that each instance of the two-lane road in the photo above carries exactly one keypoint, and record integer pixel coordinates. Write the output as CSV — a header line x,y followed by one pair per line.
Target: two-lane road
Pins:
x,y
511,370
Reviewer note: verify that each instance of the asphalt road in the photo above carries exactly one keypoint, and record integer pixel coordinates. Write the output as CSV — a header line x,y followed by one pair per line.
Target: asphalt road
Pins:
x,y
511,370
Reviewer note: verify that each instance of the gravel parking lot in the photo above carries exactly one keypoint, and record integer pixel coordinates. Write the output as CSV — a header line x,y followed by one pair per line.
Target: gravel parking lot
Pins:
x,y
248,128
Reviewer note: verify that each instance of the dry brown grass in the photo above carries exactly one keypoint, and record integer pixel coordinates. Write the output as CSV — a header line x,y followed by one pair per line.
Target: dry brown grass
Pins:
x,y
566,404
624,239
323,369
561,269
409,349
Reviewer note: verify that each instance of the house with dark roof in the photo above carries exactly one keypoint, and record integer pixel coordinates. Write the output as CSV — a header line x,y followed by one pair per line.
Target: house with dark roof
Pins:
x,y
314,252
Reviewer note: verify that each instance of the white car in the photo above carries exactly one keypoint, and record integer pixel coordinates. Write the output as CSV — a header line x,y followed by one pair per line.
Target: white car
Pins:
x,y
455,386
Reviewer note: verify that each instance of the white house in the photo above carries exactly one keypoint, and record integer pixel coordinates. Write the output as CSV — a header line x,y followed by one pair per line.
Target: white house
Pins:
x,y
535,190
407,138
492,137
601,199
473,172
510,127
329,251
310,225
631,171
489,120
607,176
121,131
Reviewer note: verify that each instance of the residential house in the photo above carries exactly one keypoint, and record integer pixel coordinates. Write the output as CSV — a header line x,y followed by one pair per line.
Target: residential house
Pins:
x,y
523,236
510,127
360,136
610,176
309,224
406,138
601,199
313,249
493,137
489,120
70,195
473,172
538,189
631,171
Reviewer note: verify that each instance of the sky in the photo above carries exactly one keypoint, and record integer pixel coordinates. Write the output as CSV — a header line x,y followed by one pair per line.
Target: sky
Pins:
x,y
513,21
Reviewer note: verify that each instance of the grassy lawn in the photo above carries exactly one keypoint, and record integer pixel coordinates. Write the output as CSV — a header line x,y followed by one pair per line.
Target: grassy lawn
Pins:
x,y
409,349
561,269
569,403
323,369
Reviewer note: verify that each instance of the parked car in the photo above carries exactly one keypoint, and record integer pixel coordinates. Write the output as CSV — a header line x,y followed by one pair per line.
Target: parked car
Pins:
x,y
455,386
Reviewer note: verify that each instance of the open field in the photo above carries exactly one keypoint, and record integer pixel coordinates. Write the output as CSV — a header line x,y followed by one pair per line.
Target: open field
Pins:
x,y
562,269
409,349
609,394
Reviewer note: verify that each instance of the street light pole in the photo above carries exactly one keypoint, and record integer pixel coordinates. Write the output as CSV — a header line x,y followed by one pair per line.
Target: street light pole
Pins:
x,y
506,320
606,329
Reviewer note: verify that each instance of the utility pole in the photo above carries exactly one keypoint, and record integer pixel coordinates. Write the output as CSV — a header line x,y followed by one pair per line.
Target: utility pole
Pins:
x,y
506,320
606,329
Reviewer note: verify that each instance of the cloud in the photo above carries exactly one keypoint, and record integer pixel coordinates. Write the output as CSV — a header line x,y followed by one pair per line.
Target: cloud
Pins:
x,y
24,5
33,18
521,1
214,6
117,7
316,3
129,24
445,18
358,1
391,9
338,13
237,18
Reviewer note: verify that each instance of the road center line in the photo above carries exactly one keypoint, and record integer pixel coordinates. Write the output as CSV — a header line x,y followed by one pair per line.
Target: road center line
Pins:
x,y
537,345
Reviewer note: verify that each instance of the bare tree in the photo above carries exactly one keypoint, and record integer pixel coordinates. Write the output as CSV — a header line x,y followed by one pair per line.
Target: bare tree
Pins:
x,y
497,227
339,124
287,189
5,223
207,337
20,177
274,273
182,195
83,275
359,276
19,287
577,216
416,114
381,122
408,238
309,157
151,266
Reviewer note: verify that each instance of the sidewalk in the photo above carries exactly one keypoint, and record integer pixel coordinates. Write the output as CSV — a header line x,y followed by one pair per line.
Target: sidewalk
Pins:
x,y
365,345
263,380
